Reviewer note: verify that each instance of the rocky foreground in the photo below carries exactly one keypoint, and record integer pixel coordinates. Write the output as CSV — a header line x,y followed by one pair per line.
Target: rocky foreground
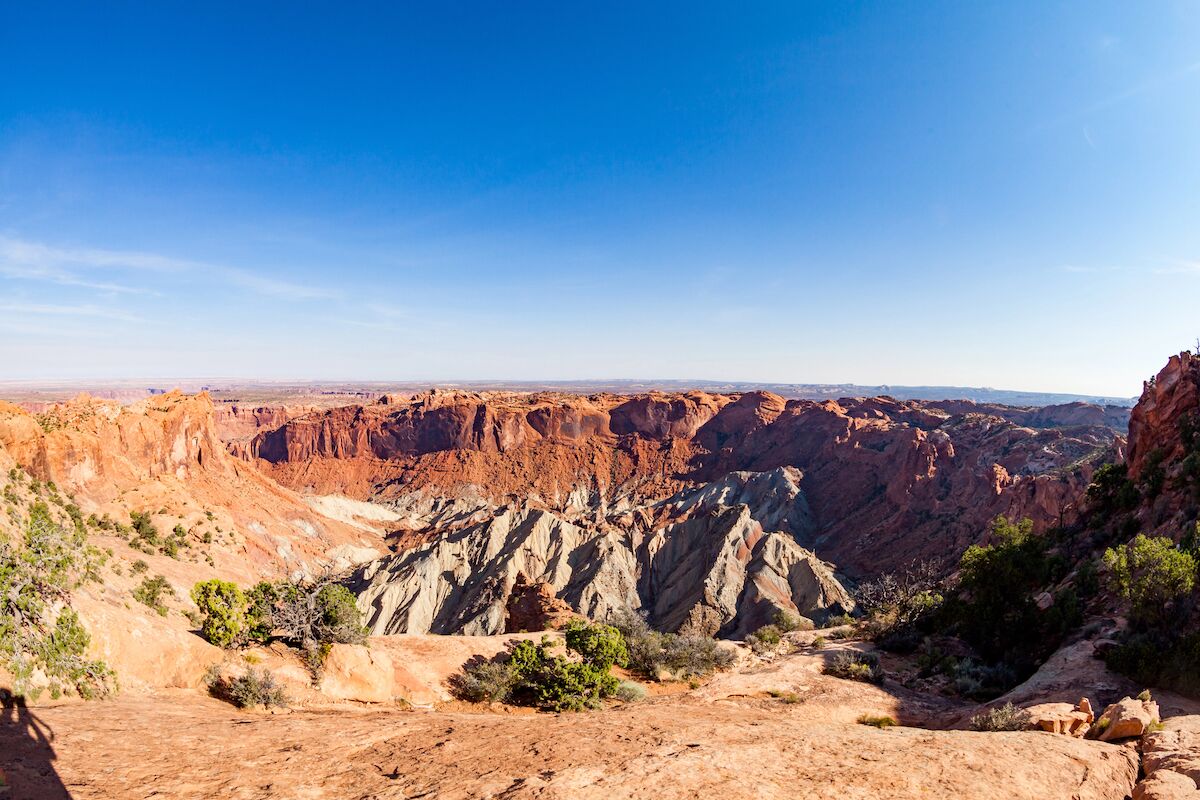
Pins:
x,y
766,730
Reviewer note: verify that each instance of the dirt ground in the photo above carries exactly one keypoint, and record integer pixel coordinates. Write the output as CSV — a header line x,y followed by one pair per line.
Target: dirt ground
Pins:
x,y
728,738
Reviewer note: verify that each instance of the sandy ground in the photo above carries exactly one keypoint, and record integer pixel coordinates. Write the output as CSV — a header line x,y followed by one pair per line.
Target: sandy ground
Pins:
x,y
727,739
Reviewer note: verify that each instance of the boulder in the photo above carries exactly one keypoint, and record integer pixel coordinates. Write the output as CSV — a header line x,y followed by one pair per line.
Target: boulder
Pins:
x,y
1125,719
1171,761
1062,718
533,606
354,672
1166,785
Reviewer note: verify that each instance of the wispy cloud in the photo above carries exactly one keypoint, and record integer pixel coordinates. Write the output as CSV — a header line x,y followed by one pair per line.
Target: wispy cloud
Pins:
x,y
273,287
44,309
69,266
1180,268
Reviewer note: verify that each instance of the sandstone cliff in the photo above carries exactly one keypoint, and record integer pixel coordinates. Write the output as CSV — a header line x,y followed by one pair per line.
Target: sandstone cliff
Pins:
x,y
1164,446
163,456
886,481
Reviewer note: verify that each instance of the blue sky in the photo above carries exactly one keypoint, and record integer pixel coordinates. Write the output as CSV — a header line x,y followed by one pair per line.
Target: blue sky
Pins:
x,y
906,193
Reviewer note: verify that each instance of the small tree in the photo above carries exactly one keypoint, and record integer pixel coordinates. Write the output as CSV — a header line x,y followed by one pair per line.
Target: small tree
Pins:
x,y
1151,574
223,606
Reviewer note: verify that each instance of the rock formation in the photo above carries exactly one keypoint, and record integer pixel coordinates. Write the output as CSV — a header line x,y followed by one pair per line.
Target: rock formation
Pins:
x,y
709,565
885,482
163,456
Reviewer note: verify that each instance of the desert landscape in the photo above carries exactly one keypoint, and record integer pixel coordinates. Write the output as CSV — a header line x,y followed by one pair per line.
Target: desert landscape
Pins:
x,y
565,401
820,548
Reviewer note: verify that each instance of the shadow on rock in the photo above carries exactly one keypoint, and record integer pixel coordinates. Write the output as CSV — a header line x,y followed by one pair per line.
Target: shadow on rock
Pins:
x,y
26,754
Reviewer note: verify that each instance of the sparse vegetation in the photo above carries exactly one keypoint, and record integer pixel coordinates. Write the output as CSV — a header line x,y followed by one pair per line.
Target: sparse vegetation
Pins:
x,y
310,614
630,692
42,641
764,640
877,721
669,655
790,698
856,666
1004,718
151,592
530,674
252,688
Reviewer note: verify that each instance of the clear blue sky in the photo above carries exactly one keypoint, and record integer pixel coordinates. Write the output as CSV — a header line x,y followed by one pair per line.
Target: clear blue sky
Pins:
x,y
906,193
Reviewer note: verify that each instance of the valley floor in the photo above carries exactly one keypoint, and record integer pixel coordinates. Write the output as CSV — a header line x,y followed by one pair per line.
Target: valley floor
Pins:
x,y
727,739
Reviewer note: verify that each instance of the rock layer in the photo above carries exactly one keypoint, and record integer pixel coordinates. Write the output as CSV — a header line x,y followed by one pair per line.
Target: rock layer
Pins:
x,y
886,481
712,564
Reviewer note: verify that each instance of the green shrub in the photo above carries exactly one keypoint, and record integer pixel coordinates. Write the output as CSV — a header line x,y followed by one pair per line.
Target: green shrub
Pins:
x,y
764,640
144,532
1004,718
601,645
993,608
1151,575
139,566
483,682
1111,490
151,592
655,654
42,640
630,692
530,674
877,721
1160,659
256,688
223,608
856,666
788,622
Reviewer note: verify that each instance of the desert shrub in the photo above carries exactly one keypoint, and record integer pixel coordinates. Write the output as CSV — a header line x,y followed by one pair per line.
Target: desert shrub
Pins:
x,y
790,698
630,692
261,599
42,640
1159,659
223,608
256,688
139,566
557,684
980,681
145,535
530,674
601,645
1151,575
483,682
764,640
877,721
1111,490
1004,718
896,602
309,614
319,610
150,592
787,622
993,608
856,666
655,654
